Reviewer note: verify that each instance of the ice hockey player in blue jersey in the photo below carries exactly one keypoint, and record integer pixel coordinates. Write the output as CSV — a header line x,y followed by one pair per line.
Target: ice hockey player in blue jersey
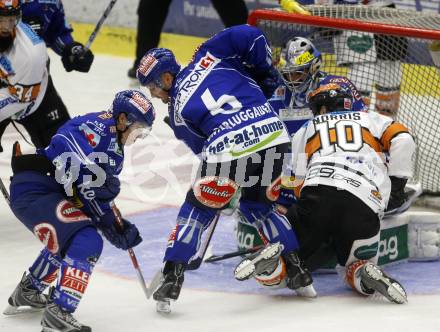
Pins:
x,y
64,194
218,107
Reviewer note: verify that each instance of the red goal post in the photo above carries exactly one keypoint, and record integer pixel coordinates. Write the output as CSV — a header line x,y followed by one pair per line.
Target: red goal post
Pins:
x,y
383,51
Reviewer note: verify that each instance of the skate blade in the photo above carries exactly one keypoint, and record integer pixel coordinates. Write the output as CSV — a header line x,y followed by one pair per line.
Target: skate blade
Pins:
x,y
163,307
394,291
155,283
307,291
246,269
12,311
48,329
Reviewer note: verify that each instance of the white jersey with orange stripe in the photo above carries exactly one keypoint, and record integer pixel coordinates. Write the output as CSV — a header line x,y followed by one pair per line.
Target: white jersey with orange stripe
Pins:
x,y
353,151
23,74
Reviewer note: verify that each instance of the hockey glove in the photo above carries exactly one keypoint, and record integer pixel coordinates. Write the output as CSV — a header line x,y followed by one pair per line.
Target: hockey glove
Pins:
x,y
3,126
75,57
285,200
268,81
125,238
397,196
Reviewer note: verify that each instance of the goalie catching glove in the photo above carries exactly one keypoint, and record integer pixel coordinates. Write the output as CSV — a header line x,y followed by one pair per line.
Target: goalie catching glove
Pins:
x,y
76,57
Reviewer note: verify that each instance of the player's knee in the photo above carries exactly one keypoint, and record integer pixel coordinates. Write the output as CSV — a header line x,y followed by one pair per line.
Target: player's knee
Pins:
x,y
214,192
86,244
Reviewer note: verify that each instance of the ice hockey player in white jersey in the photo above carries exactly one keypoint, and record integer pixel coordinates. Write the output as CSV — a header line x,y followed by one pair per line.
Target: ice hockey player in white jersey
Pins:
x,y
24,96
342,182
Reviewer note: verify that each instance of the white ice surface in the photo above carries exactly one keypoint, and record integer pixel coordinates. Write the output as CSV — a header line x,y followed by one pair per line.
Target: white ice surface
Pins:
x,y
113,303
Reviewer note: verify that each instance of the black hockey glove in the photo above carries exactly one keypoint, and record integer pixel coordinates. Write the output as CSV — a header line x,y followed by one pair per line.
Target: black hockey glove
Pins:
x,y
123,239
75,57
397,196
3,126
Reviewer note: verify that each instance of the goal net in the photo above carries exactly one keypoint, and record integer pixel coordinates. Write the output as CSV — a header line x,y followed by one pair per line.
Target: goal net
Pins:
x,y
391,55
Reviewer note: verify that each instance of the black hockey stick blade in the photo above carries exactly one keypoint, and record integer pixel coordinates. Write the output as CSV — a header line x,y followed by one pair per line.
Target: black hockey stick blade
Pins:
x,y
216,258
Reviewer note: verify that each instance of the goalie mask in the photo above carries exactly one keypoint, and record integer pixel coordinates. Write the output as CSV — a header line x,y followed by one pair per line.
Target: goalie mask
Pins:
x,y
331,96
299,63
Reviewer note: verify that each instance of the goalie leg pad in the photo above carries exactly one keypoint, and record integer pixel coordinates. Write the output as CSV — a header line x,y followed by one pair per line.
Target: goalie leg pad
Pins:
x,y
76,268
184,240
424,237
274,226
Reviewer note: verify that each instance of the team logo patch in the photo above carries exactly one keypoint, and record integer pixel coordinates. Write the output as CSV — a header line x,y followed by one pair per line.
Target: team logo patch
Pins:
x,y
273,191
173,236
74,281
93,138
214,191
147,64
48,236
142,104
376,194
68,213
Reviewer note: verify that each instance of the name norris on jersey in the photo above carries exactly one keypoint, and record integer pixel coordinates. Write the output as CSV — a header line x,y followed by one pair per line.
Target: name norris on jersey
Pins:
x,y
337,116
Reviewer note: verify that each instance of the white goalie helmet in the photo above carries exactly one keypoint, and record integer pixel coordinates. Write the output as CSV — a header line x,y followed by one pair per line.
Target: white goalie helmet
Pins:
x,y
299,63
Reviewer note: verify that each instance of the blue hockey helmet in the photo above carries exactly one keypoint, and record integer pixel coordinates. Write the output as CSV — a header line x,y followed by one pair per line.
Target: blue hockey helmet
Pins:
x,y
334,97
300,61
154,63
136,107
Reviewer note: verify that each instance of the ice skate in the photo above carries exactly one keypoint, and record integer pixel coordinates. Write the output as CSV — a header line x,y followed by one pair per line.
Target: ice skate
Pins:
x,y
25,298
264,260
57,320
170,286
373,278
298,276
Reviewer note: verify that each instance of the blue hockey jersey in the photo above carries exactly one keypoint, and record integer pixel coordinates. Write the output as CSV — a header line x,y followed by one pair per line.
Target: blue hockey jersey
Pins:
x,y
293,109
47,18
216,107
88,158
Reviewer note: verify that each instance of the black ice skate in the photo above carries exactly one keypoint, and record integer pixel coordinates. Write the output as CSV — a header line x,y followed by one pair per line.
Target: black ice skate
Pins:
x,y
172,283
374,279
57,320
25,298
170,286
298,276
263,261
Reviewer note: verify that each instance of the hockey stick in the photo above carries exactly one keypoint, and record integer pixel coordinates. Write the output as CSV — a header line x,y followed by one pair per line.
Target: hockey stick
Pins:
x,y
216,258
5,192
195,263
99,24
132,255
